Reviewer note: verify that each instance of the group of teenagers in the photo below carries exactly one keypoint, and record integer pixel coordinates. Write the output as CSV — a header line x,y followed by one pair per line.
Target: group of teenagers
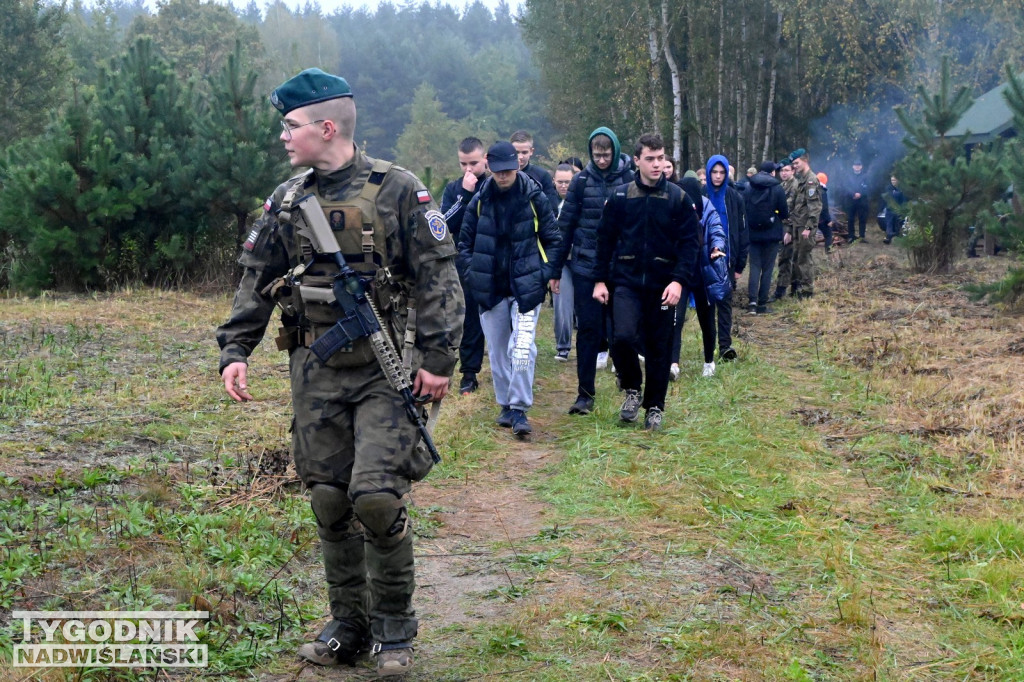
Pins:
x,y
622,244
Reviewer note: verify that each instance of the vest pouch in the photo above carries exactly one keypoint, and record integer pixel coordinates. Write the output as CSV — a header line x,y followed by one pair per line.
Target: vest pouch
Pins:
x,y
359,354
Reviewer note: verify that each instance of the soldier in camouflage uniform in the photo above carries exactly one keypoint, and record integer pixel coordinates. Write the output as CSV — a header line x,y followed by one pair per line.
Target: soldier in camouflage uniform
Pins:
x,y
803,215
354,447
788,248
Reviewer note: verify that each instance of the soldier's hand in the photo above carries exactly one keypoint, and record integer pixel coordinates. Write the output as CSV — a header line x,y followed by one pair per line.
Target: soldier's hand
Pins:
x,y
806,234
235,381
787,238
427,383
469,181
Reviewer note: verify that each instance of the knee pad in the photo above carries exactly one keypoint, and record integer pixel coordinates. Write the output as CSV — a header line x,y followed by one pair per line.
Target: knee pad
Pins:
x,y
383,517
335,520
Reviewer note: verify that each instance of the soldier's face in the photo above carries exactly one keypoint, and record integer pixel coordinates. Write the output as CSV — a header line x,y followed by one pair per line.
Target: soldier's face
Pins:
x,y
800,165
473,162
524,150
303,140
562,180
786,172
505,179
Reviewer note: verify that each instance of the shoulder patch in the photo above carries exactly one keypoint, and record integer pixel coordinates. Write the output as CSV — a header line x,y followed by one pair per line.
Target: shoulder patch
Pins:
x,y
810,191
438,227
250,242
423,196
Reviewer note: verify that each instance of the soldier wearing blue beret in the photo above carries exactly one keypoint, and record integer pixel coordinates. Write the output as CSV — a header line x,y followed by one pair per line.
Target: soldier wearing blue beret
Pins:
x,y
354,448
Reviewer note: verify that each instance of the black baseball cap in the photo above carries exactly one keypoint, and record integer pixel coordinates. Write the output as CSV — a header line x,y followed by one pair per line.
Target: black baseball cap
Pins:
x,y
502,156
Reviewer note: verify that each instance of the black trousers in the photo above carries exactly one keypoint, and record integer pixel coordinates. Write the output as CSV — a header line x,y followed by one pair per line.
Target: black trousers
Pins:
x,y
643,326
858,211
723,309
704,318
591,325
471,350
762,265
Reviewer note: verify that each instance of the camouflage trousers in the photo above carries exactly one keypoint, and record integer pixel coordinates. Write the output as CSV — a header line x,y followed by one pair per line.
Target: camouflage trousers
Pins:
x,y
350,432
785,278
350,428
803,264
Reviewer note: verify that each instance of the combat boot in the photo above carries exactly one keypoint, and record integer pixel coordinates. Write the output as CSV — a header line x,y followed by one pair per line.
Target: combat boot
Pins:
x,y
340,643
393,659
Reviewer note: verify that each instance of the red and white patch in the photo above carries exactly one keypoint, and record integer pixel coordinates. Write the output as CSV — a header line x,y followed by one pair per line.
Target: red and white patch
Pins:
x,y
269,205
423,196
250,242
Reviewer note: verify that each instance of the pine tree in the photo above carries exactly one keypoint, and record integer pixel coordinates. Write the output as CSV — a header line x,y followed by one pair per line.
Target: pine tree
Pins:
x,y
947,192
242,157
1009,230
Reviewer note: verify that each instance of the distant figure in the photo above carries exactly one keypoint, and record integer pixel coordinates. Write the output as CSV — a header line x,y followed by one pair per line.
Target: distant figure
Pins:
x,y
857,202
892,203
523,142
825,221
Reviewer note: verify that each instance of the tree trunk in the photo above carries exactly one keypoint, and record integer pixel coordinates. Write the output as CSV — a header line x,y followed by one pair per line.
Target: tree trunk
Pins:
x,y
771,88
677,90
761,77
742,120
654,71
721,71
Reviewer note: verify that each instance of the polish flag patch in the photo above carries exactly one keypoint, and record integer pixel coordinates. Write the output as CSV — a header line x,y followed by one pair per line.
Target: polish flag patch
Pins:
x,y
423,196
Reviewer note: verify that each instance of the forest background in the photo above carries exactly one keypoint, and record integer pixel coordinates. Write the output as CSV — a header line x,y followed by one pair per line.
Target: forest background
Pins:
x,y
138,144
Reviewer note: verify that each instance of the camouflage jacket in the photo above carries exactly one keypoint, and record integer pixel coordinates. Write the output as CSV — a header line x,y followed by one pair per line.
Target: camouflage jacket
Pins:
x,y
421,258
805,204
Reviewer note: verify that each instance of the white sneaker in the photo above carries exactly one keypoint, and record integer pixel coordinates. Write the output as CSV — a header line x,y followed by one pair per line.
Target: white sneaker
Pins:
x,y
673,371
602,360
709,369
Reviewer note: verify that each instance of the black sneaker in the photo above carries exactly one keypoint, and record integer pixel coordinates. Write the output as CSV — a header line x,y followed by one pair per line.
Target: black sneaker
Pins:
x,y
764,310
752,308
652,422
727,354
520,424
562,356
630,406
469,384
340,643
504,418
583,405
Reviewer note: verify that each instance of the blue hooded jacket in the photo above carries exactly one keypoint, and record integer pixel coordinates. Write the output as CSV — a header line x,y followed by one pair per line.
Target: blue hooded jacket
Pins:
x,y
732,210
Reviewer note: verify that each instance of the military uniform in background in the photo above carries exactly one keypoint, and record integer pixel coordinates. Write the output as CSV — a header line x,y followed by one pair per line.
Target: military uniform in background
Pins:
x,y
803,215
786,251
354,447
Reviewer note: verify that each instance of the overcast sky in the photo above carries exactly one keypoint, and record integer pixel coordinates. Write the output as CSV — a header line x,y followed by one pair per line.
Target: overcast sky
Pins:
x,y
329,6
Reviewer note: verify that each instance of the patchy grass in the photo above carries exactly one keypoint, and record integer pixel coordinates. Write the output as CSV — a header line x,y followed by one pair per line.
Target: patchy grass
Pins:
x,y
842,503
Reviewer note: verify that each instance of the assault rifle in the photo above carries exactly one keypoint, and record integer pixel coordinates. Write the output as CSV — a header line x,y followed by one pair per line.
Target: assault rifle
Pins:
x,y
359,315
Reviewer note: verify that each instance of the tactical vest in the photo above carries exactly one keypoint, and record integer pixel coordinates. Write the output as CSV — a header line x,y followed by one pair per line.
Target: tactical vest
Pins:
x,y
361,234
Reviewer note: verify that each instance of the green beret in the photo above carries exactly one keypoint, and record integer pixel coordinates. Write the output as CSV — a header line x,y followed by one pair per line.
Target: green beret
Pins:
x,y
690,174
309,87
797,153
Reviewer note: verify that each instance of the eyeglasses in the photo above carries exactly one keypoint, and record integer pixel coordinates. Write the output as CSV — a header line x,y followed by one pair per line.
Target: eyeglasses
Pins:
x,y
602,155
288,127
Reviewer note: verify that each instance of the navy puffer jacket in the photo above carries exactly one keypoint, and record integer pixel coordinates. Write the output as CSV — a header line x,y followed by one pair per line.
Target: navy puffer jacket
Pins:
x,y
584,204
534,244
